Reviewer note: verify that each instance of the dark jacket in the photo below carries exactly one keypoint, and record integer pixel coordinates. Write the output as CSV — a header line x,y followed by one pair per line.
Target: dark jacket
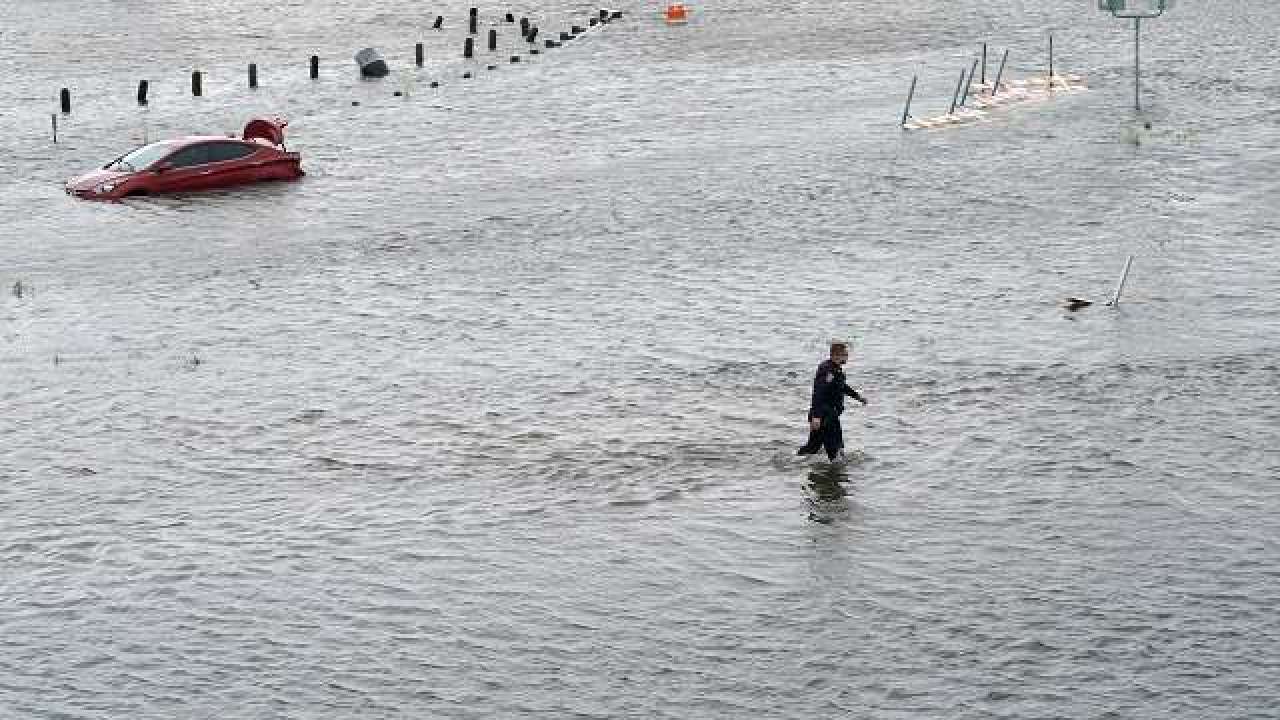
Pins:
x,y
829,389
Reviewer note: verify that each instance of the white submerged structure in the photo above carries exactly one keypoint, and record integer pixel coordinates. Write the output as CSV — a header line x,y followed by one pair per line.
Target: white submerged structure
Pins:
x,y
984,98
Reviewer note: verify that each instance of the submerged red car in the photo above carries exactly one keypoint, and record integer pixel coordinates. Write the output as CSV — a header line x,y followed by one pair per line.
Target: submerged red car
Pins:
x,y
194,163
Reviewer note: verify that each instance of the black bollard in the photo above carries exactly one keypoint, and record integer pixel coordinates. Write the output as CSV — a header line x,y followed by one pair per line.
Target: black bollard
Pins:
x,y
491,67
466,76
604,15
615,15
515,58
53,117
435,84
550,43
473,20
984,65
315,67
524,27
565,36
533,33
592,22
466,48
197,83
439,22
142,92
371,64
64,99
534,51
577,30
419,55
511,18
493,39
253,75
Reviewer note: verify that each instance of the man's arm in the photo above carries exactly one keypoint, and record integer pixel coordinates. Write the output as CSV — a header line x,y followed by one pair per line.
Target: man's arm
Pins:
x,y
854,394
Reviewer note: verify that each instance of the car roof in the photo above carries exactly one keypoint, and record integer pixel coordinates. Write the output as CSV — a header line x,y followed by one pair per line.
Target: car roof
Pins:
x,y
194,139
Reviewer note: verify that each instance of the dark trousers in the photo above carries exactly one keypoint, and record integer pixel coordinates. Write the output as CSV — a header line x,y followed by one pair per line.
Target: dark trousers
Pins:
x,y
829,437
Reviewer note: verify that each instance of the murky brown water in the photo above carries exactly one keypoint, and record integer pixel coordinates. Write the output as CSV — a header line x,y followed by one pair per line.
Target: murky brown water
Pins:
x,y
492,414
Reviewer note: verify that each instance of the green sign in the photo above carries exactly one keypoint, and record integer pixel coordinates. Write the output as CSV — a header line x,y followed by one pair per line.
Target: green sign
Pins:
x,y
1135,8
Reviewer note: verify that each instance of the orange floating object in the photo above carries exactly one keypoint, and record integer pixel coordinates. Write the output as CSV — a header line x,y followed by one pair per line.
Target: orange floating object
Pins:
x,y
677,14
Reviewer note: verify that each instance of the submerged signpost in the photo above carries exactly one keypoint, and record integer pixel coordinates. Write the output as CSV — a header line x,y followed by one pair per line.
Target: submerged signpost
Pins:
x,y
1136,9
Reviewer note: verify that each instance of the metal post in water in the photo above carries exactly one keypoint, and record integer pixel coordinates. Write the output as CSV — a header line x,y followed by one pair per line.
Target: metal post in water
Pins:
x,y
197,84
999,73
473,20
64,101
53,117
1115,299
315,67
493,39
142,92
1050,61
1137,68
984,63
253,75
466,48
419,54
972,69
956,95
906,111
439,22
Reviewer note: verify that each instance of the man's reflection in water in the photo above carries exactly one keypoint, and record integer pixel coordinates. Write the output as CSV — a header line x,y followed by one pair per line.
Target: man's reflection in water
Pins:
x,y
825,493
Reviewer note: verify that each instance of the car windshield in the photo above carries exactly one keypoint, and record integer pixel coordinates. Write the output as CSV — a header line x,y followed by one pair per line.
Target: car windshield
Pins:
x,y
142,157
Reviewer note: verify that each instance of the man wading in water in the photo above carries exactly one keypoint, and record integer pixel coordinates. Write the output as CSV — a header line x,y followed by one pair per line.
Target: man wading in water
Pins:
x,y
829,389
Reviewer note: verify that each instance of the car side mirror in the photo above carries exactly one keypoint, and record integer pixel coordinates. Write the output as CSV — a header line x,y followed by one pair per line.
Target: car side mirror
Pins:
x,y
162,167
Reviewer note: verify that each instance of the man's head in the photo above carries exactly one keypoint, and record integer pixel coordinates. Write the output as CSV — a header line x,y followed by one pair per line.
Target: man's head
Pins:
x,y
839,352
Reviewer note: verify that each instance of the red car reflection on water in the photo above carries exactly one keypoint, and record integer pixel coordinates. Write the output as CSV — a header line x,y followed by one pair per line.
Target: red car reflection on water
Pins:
x,y
194,163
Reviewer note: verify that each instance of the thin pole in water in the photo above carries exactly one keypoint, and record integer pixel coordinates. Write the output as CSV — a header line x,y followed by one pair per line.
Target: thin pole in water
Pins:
x,y
1115,299
1050,61
956,95
906,111
54,118
999,73
972,69
1137,67
984,63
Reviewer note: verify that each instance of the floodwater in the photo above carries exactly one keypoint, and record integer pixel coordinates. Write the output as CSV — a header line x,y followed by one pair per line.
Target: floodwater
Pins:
x,y
493,414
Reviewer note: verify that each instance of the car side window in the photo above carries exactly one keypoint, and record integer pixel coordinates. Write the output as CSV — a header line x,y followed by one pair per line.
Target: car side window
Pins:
x,y
228,151
194,155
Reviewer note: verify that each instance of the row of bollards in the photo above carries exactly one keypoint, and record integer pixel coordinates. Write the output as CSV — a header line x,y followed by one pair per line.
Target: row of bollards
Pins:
x,y
373,65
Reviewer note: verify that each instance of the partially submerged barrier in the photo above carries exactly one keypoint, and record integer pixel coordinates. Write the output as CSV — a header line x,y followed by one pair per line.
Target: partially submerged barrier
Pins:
x,y
973,101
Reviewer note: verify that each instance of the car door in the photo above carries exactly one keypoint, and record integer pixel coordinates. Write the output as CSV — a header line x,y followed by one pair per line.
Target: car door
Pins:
x,y
230,164
186,170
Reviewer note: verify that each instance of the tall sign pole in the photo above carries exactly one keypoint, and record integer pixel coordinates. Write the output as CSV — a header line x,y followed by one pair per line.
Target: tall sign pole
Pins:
x,y
1137,64
1136,9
